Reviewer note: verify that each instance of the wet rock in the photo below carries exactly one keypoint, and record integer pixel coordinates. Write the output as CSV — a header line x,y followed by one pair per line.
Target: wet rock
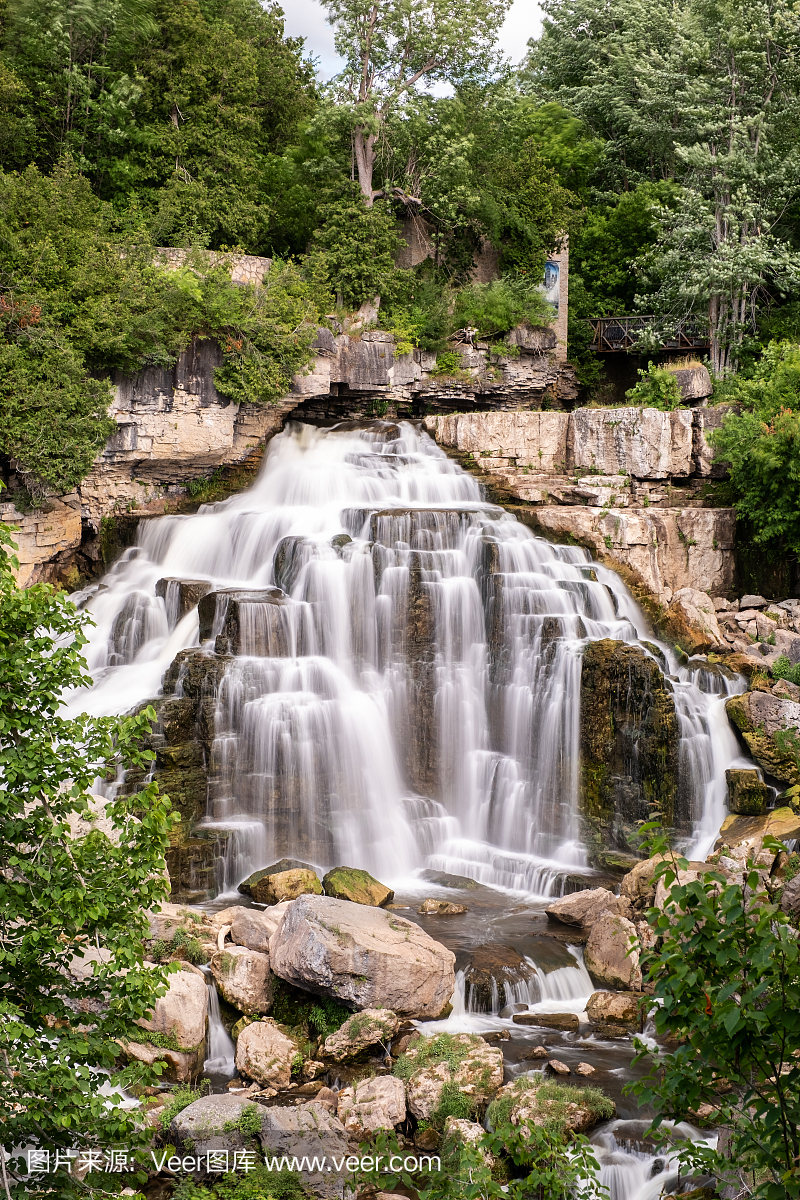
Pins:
x,y
763,720
747,834
581,909
607,956
372,1027
265,1054
490,969
565,1021
181,1013
291,555
510,1009
443,879
629,739
348,883
209,1124
180,596
422,754
372,1104
558,1067
614,1008
692,622
585,1069
363,956
286,885
747,792
285,864
243,978
247,622
441,908
536,1052
479,1074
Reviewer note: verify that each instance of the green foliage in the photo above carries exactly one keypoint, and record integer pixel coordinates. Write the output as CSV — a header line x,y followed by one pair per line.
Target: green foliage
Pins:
x,y
180,1098
725,974
531,1164
66,898
183,944
356,247
293,1007
248,1122
444,1048
553,1100
495,308
656,388
761,444
453,1103
447,364
783,669
258,1184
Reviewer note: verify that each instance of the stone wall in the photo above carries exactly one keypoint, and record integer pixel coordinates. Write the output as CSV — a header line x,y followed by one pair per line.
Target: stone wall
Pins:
x,y
628,484
243,268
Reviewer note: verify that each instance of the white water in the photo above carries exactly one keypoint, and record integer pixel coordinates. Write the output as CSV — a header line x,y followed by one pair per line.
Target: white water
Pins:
x,y
324,749
221,1050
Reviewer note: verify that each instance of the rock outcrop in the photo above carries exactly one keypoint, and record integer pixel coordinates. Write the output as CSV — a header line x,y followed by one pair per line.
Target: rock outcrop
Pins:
x,y
582,909
372,1027
770,728
475,1068
243,978
629,740
365,957
211,1124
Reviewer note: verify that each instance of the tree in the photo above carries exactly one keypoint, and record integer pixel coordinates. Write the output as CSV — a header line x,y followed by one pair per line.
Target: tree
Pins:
x,y
392,45
725,974
72,904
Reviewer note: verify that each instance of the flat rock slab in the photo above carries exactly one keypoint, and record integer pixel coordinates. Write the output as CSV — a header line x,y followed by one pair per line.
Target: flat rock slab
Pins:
x,y
363,956
566,1021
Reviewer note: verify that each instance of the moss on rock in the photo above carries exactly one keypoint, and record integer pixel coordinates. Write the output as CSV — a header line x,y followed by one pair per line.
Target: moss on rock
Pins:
x,y
348,883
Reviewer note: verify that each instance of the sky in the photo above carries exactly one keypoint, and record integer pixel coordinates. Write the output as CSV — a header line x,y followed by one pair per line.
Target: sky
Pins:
x,y
306,19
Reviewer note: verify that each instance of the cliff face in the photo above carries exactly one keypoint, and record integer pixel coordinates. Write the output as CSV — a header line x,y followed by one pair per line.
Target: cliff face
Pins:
x,y
625,483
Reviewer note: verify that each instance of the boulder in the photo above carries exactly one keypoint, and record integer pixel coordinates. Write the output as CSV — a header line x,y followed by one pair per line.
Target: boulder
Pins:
x,y
747,792
459,1131
253,929
790,897
582,909
639,885
607,956
543,1102
165,923
692,622
265,1054
362,956
286,885
348,883
568,1022
479,1073
180,596
209,1124
182,1066
181,1013
286,864
614,1008
762,718
585,1069
372,1027
308,1131
748,833
491,972
372,1104
243,978
557,1067
441,908
446,880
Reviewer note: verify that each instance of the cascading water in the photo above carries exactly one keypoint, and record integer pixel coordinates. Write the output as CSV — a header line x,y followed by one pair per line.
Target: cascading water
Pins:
x,y
221,1050
410,695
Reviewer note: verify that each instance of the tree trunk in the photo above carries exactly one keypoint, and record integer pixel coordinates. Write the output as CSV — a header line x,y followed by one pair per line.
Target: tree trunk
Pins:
x,y
364,145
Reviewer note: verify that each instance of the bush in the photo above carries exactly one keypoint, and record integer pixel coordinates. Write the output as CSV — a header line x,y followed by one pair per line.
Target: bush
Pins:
x,y
495,308
656,388
783,669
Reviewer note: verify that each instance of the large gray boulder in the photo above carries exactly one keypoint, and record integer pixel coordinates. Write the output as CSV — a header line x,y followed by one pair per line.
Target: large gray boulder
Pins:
x,y
309,1131
365,957
582,909
612,953
243,977
210,1124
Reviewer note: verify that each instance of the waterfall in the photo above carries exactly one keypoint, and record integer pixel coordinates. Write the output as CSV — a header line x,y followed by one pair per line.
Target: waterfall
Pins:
x,y
403,688
221,1050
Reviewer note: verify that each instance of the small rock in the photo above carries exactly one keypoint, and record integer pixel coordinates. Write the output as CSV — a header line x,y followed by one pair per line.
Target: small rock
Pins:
x,y
427,1139
509,1010
371,1027
747,792
359,887
443,879
752,602
565,1021
558,1067
456,1129
327,1097
479,1075
252,929
536,1052
312,1069
615,1008
441,908
585,1069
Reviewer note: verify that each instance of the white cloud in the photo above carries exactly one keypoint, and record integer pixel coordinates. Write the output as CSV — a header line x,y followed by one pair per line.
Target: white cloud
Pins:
x,y
306,19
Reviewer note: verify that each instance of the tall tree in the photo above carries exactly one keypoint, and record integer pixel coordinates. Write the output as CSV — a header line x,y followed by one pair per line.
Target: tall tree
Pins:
x,y
392,45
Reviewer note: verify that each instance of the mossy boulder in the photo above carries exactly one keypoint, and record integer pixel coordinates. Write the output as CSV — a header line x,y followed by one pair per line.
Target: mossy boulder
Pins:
x,y
747,793
348,883
283,880
770,728
629,740
560,1108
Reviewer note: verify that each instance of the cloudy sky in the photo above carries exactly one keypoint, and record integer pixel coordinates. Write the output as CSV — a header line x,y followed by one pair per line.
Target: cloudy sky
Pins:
x,y
305,18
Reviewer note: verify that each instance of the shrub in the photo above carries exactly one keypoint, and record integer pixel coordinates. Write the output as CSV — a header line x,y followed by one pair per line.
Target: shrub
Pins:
x,y
783,669
657,387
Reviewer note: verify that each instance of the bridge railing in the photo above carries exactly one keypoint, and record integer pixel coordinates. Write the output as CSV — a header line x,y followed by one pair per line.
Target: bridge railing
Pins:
x,y
613,334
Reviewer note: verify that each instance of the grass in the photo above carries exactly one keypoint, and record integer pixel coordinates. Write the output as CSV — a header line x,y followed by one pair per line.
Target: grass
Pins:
x,y
182,1097
184,941
248,1122
553,1101
257,1184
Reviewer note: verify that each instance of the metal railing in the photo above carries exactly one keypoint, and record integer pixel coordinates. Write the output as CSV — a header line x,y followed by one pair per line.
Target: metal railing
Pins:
x,y
615,334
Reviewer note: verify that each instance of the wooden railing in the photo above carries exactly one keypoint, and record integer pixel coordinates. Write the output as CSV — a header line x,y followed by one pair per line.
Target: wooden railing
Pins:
x,y
613,334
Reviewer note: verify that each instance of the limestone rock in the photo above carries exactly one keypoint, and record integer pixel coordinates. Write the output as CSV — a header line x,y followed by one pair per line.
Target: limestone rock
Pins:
x,y
694,383
181,1013
348,883
363,956
534,437
286,885
747,833
201,1127
544,1102
265,1054
558,1067
253,929
54,529
639,885
243,978
308,1131
747,792
585,1069
790,897
479,1075
568,1022
371,1027
441,908
180,596
372,1104
692,621
582,909
248,886
456,1130
182,1066
643,442
629,743
759,717
613,1008
606,955
492,970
